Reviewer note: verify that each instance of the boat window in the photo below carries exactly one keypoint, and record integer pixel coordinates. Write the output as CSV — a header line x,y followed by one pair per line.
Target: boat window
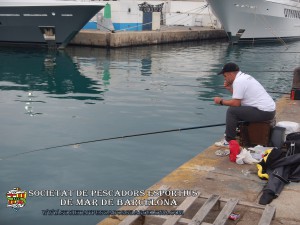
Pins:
x,y
9,14
35,15
245,6
66,14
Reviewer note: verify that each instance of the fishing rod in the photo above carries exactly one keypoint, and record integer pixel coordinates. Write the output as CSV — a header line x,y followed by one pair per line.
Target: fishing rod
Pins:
x,y
115,138
254,71
275,52
220,86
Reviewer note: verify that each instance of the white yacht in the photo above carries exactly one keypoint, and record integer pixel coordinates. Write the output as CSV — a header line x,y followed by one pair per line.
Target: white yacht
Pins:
x,y
258,20
41,22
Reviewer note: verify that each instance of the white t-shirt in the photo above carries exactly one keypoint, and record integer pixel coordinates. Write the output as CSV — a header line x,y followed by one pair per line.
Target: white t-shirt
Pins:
x,y
252,93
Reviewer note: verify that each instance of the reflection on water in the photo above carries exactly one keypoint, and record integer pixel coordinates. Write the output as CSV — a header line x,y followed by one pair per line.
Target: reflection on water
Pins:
x,y
54,73
29,105
83,94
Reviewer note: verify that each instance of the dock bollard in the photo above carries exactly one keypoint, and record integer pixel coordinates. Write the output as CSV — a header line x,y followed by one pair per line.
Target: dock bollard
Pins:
x,y
295,92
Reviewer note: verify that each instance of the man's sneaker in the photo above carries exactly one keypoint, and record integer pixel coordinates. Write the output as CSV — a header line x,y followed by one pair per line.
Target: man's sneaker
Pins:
x,y
222,143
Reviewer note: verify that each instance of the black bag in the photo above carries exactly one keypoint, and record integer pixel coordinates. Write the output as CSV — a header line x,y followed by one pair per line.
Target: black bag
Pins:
x,y
277,137
292,143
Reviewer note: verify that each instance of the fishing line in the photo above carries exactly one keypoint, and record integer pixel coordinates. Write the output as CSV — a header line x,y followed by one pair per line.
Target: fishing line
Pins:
x,y
220,86
114,138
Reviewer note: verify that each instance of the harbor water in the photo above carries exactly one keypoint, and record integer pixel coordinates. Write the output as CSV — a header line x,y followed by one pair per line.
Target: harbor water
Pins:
x,y
82,94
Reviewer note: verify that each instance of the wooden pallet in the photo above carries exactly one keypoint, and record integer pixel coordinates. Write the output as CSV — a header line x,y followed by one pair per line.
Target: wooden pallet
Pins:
x,y
198,219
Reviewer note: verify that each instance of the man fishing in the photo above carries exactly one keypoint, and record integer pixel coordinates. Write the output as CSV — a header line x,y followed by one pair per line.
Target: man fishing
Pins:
x,y
250,102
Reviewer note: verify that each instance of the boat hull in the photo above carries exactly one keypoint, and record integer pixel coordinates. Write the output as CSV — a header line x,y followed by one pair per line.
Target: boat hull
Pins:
x,y
27,24
258,20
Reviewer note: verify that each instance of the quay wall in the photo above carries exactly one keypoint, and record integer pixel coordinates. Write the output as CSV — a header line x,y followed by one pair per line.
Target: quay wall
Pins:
x,y
137,38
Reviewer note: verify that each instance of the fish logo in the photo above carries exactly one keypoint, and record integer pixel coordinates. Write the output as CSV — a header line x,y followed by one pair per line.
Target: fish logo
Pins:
x,y
16,198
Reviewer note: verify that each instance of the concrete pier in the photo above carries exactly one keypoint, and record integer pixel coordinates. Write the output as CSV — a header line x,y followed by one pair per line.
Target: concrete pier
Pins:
x,y
211,174
137,38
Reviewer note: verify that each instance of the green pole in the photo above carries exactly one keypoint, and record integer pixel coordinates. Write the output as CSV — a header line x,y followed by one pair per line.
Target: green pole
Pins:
x,y
107,11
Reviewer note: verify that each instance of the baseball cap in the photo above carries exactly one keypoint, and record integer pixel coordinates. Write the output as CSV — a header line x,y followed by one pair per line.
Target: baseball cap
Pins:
x,y
229,67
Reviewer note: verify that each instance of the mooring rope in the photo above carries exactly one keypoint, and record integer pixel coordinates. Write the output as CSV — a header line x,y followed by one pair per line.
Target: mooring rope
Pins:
x,y
185,12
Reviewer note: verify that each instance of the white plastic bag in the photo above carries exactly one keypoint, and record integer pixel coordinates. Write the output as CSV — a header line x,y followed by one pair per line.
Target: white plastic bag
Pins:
x,y
245,157
258,151
289,126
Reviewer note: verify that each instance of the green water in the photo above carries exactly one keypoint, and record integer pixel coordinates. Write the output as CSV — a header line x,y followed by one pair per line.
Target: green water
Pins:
x,y
83,94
